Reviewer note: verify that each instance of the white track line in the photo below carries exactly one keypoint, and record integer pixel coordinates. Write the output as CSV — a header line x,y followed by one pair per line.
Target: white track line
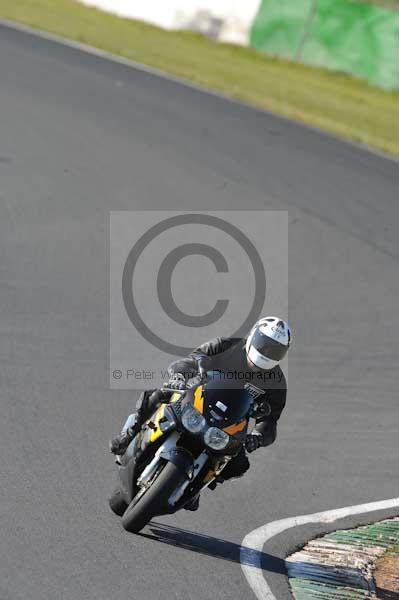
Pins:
x,y
252,544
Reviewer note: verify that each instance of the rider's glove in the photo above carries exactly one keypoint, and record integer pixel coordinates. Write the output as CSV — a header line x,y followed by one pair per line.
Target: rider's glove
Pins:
x,y
177,382
253,441
201,377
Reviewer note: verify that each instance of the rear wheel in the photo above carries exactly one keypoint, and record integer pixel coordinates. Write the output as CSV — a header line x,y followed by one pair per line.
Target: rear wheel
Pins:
x,y
116,503
140,511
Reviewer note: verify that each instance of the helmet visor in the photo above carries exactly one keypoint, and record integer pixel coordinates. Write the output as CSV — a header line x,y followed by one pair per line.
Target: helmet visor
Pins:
x,y
268,347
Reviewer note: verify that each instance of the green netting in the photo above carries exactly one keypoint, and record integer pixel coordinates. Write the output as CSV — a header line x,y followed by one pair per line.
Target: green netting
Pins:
x,y
356,38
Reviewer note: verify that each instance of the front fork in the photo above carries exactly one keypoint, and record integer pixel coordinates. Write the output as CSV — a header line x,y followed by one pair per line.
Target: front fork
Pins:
x,y
170,443
198,465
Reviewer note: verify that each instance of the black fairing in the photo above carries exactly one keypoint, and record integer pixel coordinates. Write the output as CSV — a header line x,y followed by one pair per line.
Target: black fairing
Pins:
x,y
225,402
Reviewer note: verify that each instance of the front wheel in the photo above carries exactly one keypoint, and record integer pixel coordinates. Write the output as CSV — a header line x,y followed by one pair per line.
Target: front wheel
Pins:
x,y
151,503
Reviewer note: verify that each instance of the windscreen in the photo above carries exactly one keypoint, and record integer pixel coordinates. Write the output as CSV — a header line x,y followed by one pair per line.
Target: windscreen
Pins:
x,y
225,403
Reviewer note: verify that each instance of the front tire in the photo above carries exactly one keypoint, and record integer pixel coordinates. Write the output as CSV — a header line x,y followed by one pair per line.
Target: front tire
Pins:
x,y
153,500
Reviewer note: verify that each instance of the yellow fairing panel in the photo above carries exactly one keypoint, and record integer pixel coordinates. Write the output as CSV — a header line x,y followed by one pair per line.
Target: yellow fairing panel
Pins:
x,y
232,429
198,399
157,433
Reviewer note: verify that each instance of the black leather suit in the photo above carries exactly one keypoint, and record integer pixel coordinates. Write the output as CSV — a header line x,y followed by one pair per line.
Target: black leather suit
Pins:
x,y
228,356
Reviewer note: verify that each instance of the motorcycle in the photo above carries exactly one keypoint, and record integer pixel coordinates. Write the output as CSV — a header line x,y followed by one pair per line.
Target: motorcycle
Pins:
x,y
181,449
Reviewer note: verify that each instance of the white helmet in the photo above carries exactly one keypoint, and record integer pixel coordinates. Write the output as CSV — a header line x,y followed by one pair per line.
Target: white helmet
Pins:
x,y
268,342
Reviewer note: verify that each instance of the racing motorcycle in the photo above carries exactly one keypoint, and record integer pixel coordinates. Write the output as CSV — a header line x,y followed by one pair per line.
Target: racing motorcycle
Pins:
x,y
182,449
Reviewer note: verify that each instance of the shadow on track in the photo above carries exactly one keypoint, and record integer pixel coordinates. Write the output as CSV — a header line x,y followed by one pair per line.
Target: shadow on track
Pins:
x,y
216,547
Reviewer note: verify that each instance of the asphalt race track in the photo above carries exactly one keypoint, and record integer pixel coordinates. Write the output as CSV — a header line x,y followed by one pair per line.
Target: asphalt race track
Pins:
x,y
81,136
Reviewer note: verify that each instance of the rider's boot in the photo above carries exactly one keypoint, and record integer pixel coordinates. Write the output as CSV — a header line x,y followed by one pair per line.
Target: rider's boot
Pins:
x,y
193,504
119,444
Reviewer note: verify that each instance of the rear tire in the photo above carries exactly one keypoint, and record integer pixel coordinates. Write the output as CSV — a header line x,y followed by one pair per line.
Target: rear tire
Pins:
x,y
116,503
153,500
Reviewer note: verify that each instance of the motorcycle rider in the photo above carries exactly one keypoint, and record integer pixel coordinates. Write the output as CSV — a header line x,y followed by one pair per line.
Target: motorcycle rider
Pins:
x,y
252,362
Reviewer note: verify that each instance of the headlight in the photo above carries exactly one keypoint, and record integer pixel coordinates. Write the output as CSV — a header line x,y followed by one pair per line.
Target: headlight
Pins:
x,y
193,420
216,438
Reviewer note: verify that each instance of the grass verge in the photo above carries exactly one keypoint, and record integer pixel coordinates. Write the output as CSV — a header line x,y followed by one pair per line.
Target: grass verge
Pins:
x,y
332,101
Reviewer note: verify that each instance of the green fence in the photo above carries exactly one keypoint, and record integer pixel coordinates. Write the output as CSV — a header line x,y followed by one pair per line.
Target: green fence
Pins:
x,y
342,35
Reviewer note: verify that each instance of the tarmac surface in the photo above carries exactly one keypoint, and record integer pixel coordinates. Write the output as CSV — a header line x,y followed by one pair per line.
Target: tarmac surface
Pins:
x,y
80,136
